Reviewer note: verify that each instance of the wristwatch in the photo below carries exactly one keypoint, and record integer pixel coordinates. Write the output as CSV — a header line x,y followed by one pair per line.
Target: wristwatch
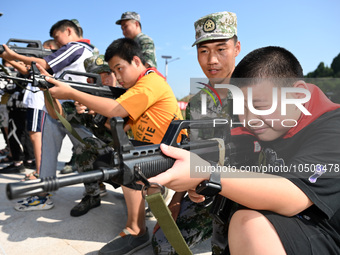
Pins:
x,y
212,187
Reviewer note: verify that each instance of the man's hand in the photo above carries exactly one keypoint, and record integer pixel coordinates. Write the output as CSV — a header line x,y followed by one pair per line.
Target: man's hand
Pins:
x,y
178,176
82,108
194,197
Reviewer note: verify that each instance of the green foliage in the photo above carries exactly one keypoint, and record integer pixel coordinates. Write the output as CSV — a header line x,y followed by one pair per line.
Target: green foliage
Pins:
x,y
336,66
330,86
321,71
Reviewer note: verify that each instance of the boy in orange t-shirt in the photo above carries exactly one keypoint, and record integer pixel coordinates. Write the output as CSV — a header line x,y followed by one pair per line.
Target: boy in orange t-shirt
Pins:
x,y
150,105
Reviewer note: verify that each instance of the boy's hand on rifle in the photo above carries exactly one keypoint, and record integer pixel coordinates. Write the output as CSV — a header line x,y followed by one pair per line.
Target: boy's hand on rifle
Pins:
x,y
42,70
60,89
8,54
178,176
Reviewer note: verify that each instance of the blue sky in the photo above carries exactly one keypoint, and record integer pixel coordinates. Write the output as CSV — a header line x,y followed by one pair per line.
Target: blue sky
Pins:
x,y
309,29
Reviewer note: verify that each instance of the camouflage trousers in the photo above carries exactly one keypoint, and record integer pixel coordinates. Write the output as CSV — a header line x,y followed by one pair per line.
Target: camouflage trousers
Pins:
x,y
85,156
196,225
3,116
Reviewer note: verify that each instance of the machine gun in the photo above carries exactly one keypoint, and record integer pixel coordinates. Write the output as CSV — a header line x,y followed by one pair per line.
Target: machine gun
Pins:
x,y
96,88
35,48
129,163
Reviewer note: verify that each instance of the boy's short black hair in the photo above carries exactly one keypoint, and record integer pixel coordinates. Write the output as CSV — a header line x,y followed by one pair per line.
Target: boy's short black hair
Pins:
x,y
269,62
62,25
125,48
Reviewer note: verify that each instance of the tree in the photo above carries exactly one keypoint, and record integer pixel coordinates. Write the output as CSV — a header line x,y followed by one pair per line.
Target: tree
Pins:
x,y
330,86
321,71
336,66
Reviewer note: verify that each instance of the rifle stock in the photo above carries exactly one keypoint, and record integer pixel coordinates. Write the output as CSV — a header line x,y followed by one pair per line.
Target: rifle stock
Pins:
x,y
129,163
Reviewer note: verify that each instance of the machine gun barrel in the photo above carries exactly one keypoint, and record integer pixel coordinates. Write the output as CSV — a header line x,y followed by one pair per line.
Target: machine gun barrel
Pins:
x,y
128,163
146,160
34,187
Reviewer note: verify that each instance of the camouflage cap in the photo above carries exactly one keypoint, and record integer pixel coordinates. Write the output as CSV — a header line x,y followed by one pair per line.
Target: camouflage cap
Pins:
x,y
128,16
96,64
215,26
75,21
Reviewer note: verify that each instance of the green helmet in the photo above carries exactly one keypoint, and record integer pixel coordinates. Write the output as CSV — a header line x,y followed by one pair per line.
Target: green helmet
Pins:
x,y
96,64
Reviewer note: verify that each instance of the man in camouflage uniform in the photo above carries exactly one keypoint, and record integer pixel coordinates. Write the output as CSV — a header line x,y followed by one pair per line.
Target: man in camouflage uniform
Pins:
x,y
132,28
217,47
85,156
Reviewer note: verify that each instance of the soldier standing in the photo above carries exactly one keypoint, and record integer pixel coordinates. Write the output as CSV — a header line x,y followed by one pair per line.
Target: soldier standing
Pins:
x,y
132,28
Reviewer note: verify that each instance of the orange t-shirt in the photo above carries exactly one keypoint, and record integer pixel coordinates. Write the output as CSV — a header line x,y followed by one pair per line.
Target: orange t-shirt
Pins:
x,y
151,105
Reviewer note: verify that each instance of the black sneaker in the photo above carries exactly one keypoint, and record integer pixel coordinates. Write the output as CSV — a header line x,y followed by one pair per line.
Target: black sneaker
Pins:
x,y
13,169
86,204
30,165
125,244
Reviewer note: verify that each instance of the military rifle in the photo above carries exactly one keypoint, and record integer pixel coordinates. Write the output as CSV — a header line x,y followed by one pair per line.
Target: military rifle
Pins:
x,y
35,48
96,88
129,163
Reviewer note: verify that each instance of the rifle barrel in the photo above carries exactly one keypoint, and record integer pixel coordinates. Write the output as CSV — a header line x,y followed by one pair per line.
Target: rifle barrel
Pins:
x,y
102,91
49,184
4,76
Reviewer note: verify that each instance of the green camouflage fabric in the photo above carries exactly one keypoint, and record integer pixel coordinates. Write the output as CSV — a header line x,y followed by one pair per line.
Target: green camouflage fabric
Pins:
x,y
128,16
100,144
84,158
194,220
75,21
96,64
148,48
3,116
215,26
214,110
194,223
86,120
70,113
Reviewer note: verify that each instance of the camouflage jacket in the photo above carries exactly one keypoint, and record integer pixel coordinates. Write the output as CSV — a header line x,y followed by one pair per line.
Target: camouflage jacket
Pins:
x,y
148,49
86,120
214,110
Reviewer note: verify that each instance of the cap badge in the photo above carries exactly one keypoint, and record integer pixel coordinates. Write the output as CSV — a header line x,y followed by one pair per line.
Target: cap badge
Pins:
x,y
99,62
209,25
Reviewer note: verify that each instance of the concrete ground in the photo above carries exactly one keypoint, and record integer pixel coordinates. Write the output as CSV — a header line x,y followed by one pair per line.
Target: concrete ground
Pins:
x,y
54,231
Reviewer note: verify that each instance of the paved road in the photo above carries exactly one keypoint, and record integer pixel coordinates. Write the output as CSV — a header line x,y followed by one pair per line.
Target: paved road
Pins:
x,y
55,231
